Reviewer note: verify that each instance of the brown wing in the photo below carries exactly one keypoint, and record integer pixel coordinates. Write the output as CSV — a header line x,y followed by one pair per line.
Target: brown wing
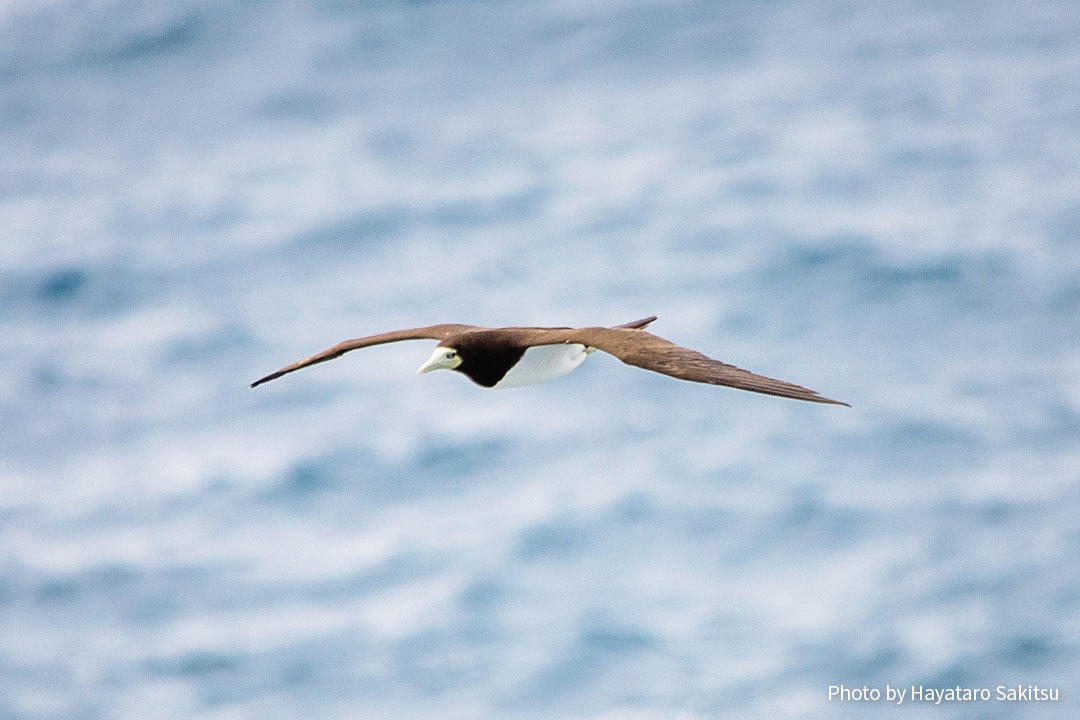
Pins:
x,y
432,332
636,324
647,351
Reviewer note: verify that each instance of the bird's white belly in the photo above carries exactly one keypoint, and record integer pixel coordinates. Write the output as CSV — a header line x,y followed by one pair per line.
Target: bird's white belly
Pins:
x,y
541,363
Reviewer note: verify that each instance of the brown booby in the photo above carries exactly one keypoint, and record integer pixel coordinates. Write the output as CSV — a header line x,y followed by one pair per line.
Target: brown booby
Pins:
x,y
513,356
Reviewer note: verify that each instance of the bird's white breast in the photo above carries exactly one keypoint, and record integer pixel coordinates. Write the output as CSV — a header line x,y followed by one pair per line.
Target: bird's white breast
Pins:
x,y
541,363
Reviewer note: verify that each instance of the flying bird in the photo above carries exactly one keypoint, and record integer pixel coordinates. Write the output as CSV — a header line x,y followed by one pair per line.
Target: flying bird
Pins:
x,y
513,356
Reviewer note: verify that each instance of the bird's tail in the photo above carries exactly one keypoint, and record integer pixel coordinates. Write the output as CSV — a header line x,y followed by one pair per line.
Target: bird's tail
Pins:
x,y
636,325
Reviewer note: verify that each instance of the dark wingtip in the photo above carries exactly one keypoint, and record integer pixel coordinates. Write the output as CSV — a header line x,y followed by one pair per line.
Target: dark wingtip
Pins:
x,y
261,380
636,325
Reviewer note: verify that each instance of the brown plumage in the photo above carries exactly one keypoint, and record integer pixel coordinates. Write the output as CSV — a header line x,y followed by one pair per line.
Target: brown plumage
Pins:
x,y
486,355
431,332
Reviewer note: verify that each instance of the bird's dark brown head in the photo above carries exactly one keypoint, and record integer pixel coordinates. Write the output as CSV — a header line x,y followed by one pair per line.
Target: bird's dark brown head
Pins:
x,y
485,360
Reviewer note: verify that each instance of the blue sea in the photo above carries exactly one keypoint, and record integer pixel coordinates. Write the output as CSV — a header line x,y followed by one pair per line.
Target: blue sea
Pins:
x,y
877,200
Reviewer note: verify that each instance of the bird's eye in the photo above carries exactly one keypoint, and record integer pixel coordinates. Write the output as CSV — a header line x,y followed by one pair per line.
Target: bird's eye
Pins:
x,y
451,354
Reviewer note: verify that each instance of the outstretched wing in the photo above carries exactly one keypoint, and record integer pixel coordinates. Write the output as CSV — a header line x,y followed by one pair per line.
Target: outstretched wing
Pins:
x,y
636,324
647,351
432,332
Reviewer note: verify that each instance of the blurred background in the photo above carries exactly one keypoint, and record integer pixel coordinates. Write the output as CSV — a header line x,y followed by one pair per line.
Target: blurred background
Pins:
x,y
876,200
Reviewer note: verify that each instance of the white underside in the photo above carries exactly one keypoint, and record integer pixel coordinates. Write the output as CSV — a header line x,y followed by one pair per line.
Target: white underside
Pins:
x,y
541,363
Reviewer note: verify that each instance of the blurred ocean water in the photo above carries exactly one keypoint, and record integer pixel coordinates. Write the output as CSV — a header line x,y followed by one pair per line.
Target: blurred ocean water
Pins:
x,y
876,200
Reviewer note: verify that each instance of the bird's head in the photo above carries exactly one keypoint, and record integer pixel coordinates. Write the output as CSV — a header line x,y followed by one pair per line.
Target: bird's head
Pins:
x,y
443,358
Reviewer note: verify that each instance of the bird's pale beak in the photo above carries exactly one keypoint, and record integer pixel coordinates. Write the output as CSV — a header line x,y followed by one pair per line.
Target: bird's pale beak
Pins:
x,y
432,364
439,361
